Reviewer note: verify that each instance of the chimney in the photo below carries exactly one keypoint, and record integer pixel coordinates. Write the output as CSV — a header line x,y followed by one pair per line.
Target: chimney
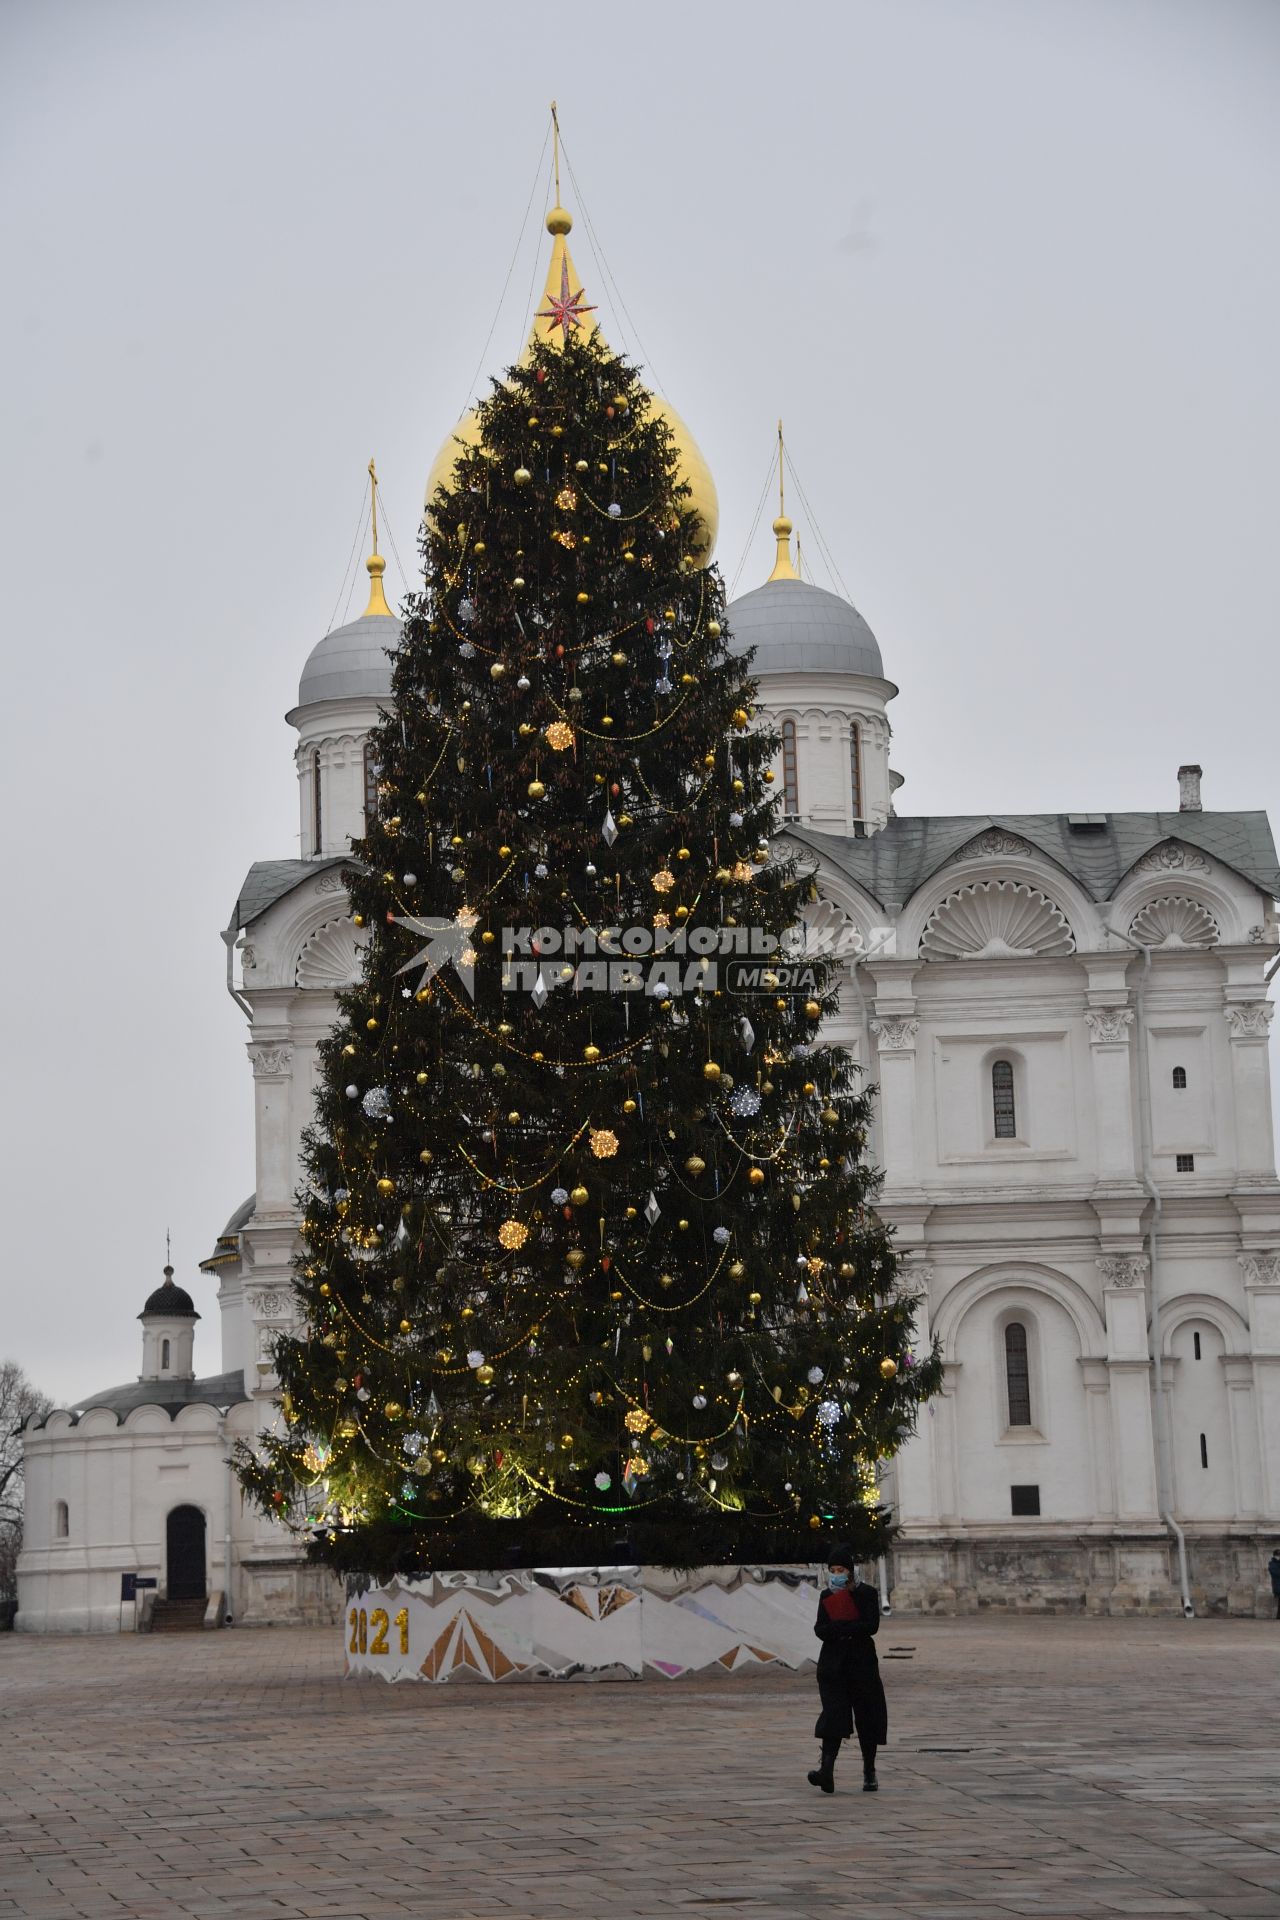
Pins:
x,y
1189,789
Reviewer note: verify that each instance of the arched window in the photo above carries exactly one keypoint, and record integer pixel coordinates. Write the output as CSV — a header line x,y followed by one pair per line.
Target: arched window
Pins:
x,y
372,774
855,768
317,823
1017,1374
1179,1077
1002,1108
61,1520
164,1353
790,782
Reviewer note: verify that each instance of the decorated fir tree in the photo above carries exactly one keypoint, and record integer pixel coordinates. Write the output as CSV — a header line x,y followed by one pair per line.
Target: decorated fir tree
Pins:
x,y
589,1264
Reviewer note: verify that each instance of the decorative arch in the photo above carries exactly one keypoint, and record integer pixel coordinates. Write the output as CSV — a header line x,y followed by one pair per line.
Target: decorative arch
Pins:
x,y
330,956
1033,871
996,920
1028,1277
1174,920
282,930
1204,1306
1175,871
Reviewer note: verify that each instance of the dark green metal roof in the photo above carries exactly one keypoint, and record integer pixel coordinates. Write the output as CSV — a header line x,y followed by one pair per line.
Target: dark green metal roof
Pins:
x,y
893,864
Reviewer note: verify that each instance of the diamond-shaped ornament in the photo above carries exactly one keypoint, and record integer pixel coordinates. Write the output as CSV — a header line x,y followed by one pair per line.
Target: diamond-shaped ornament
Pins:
x,y
609,831
540,991
652,1211
748,1033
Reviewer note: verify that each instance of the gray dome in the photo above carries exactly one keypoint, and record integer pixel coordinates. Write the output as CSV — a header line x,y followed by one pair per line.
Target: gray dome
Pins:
x,y
351,662
174,1302
798,628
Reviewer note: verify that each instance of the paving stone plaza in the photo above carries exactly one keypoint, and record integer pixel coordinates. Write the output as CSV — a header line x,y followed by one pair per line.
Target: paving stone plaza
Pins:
x,y
1036,1766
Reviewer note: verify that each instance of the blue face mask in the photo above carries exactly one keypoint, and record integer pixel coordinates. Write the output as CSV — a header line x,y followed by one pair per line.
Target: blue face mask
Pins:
x,y
838,1580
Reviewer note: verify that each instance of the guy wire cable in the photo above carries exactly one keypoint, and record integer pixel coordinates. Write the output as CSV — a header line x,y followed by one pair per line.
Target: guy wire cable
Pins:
x,y
333,617
754,524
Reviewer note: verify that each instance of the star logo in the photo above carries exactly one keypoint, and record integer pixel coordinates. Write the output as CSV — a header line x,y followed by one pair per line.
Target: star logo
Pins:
x,y
448,944
568,310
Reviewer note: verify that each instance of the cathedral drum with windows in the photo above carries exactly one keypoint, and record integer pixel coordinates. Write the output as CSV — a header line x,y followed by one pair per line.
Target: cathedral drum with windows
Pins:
x,y
1066,1019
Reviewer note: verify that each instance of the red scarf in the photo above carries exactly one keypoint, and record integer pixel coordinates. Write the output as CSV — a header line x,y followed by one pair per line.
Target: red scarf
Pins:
x,y
840,1604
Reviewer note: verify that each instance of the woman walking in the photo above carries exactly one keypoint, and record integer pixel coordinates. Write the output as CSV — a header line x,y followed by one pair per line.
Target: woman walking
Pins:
x,y
848,1672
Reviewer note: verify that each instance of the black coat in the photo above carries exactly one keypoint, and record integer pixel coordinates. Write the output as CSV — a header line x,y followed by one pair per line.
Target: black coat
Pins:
x,y
1273,1568
849,1673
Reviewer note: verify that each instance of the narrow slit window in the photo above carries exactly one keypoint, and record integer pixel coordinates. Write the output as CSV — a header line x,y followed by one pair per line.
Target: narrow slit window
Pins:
x,y
372,775
1017,1374
164,1353
1204,1451
1195,1340
1005,1117
317,822
1186,1163
855,769
790,780
1179,1078
61,1520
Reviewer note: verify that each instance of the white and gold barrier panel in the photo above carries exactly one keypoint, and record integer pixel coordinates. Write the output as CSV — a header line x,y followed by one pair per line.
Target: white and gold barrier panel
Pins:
x,y
582,1623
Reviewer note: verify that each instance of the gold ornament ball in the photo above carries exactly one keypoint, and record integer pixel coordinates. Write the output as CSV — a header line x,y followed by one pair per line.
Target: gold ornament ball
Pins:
x,y
756,1176
628,1106
737,1271
591,1052
888,1368
422,1079
734,1378
815,1521
393,1409
513,1118
741,717
478,548
348,1053
813,1009
579,1196
386,1186
666,1280
536,789
371,1024
484,1374
695,1164
522,476
405,1327
711,1071
325,1288
497,670
359,919
713,628
583,598
426,1156
576,1258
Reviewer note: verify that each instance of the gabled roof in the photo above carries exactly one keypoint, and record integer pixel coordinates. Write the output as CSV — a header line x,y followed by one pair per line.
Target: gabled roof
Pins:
x,y
893,864
269,880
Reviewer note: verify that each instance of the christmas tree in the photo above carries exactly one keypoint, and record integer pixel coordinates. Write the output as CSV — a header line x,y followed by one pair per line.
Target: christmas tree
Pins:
x,y
589,1268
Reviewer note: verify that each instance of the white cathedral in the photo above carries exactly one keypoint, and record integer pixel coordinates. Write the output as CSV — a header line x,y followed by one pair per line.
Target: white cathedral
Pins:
x,y
1066,1018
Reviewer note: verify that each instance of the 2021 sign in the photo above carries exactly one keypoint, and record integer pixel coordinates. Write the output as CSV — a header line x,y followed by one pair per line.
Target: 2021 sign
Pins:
x,y
369,1630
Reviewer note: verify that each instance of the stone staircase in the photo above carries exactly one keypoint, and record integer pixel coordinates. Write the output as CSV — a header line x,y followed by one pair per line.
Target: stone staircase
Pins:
x,y
178,1616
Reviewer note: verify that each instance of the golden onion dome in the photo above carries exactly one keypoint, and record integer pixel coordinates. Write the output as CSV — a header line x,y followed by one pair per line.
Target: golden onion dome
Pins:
x,y
563,289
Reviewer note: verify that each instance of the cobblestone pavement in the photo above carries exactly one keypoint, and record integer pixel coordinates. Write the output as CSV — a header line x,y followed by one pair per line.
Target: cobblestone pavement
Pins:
x,y
1049,1767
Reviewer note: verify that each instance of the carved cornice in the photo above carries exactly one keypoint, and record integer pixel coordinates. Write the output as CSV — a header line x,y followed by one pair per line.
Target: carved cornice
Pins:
x,y
271,1063
1123,1269
1109,1026
330,882
270,1304
1172,857
992,844
1261,1268
1249,1019
895,1034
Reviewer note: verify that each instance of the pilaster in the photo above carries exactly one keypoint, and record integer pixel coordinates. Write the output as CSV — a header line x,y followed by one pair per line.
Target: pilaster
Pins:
x,y
1133,1442
1109,1018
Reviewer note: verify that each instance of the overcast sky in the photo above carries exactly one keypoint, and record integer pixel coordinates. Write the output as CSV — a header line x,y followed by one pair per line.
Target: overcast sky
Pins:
x,y
1008,270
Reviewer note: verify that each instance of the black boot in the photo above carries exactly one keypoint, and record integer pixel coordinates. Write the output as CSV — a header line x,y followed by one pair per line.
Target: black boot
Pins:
x,y
824,1774
869,1782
